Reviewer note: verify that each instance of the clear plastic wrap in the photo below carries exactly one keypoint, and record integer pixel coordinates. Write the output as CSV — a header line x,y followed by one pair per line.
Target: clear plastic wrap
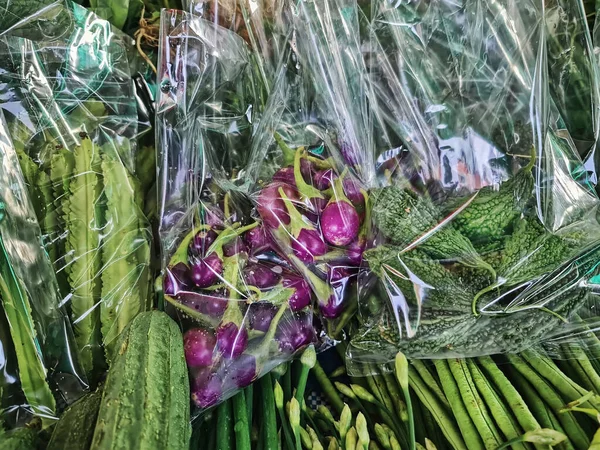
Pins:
x,y
241,305
40,372
485,237
309,199
72,113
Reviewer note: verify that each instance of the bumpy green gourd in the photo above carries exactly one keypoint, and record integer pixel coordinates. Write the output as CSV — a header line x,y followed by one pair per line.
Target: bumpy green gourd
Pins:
x,y
125,251
404,218
418,277
82,255
489,216
457,332
532,251
146,396
75,429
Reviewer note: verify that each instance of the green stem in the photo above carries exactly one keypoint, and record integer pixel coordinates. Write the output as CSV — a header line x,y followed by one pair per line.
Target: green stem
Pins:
x,y
328,388
242,427
269,418
249,402
224,422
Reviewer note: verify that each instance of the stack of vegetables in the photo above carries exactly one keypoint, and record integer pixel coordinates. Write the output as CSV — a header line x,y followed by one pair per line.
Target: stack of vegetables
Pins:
x,y
494,278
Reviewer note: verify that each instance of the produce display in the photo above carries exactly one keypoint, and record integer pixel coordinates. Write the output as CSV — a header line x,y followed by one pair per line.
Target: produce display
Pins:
x,y
328,224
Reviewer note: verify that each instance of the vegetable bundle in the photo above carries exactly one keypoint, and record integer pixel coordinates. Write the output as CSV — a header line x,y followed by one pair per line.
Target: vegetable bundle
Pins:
x,y
75,137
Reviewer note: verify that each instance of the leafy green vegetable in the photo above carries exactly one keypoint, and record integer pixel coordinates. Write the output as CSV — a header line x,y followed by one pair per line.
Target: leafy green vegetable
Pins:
x,y
125,250
82,256
408,219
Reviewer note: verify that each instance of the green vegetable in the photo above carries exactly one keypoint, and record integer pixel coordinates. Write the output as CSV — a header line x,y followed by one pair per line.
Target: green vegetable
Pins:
x,y
125,251
532,251
242,427
30,360
25,438
408,219
82,255
146,396
489,217
75,429
224,429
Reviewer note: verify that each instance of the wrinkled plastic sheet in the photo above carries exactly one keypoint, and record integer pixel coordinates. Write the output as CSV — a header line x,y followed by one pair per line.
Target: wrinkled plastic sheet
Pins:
x,y
485,238
72,113
242,306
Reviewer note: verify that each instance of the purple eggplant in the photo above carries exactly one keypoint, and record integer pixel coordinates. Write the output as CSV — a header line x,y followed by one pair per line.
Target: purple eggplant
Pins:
x,y
206,271
231,340
301,297
308,245
285,175
340,222
294,334
258,240
261,276
261,314
199,345
212,304
206,388
202,241
177,278
270,205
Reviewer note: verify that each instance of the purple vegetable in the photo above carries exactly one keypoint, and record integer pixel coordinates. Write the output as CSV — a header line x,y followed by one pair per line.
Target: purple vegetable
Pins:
x,y
212,304
270,205
308,244
306,168
206,389
202,241
340,222
177,278
285,175
214,217
199,345
235,246
261,276
206,271
340,273
261,315
302,295
231,340
258,239
355,250
352,191
294,334
241,372
334,306
323,179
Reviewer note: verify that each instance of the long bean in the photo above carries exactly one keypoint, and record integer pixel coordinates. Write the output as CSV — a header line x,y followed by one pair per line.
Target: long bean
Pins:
x,y
475,405
242,427
469,432
498,411
224,431
440,414
512,396
572,427
430,381
327,387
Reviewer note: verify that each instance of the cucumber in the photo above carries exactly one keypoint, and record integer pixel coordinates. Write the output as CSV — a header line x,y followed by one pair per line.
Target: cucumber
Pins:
x,y
75,429
146,396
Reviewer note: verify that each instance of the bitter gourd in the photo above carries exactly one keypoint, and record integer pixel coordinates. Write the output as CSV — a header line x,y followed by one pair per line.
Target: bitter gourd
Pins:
x,y
489,217
145,403
455,332
407,219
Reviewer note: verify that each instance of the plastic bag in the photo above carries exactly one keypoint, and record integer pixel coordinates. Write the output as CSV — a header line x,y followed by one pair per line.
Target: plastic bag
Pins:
x,y
241,305
72,113
309,202
485,233
40,372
